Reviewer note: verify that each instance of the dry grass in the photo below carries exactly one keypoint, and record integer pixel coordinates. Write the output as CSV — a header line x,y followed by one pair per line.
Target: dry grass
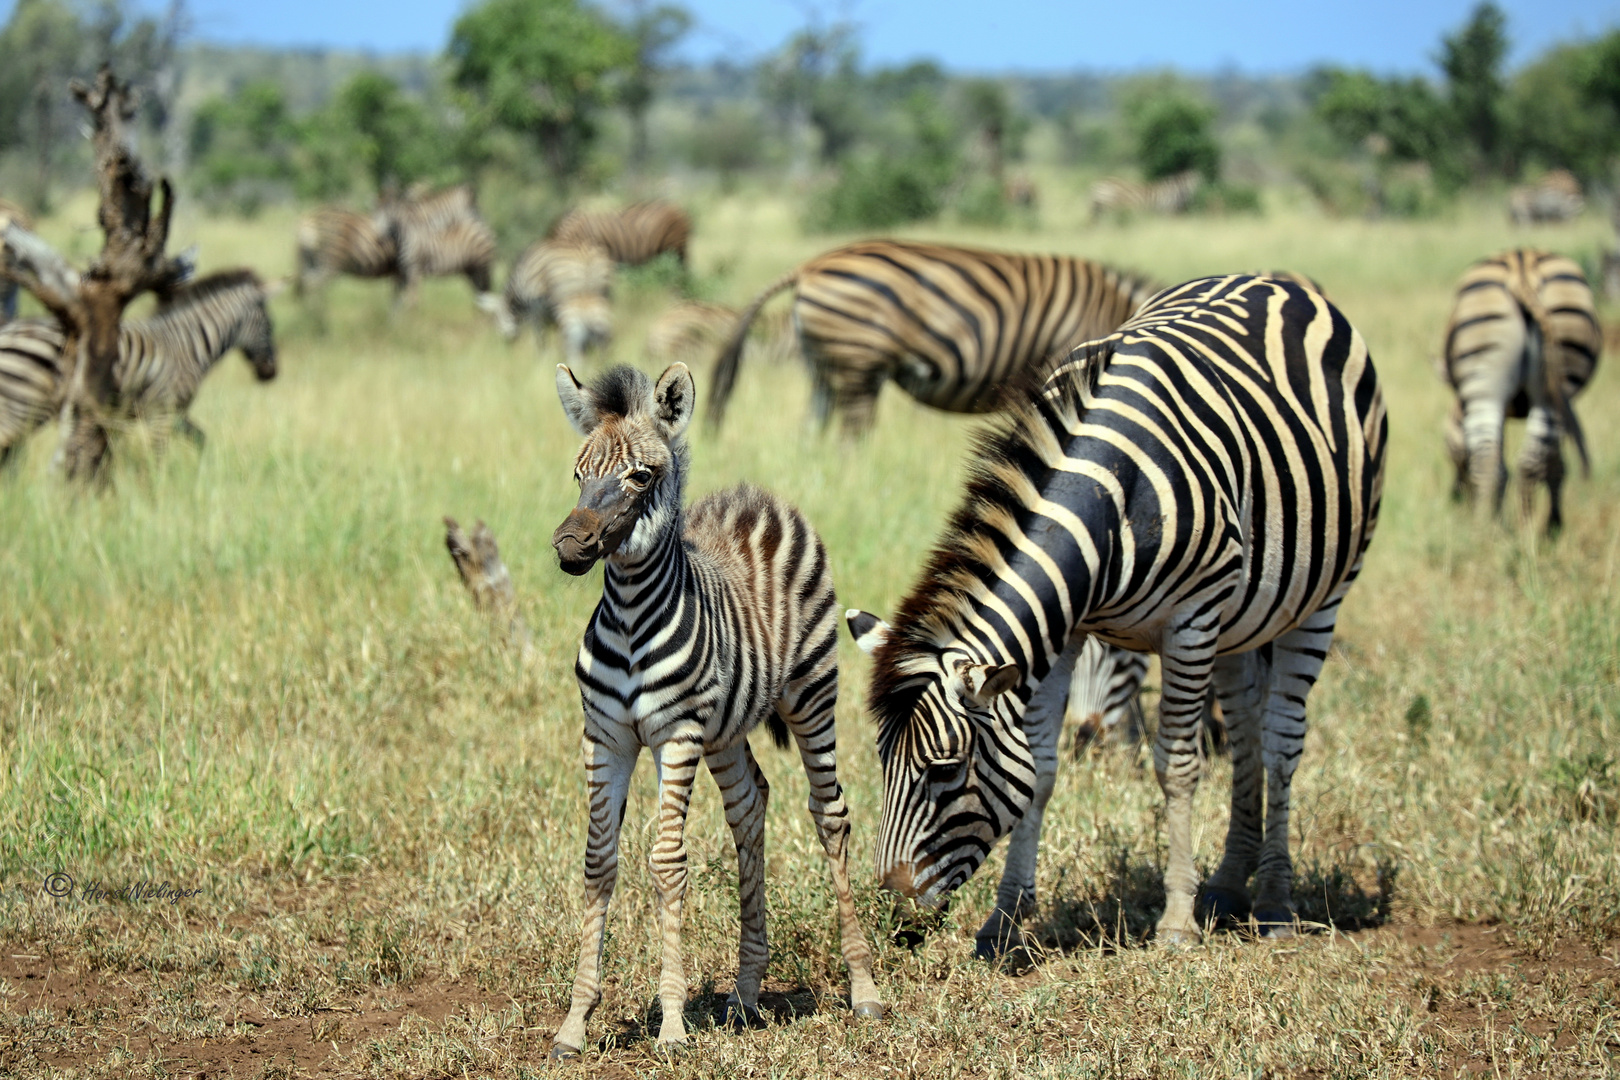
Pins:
x,y
252,673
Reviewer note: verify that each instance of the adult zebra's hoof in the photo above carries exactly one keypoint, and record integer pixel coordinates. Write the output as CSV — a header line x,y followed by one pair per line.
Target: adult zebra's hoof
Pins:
x,y
869,1010
1274,922
564,1052
1176,938
739,1017
1225,908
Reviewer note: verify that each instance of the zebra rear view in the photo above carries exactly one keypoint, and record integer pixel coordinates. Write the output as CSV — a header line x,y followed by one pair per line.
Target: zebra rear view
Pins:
x,y
1522,343
1204,484
710,621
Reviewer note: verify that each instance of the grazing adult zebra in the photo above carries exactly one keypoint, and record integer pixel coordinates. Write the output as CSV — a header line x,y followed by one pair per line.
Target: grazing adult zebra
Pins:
x,y
711,620
690,327
954,327
332,240
10,211
1172,195
1522,342
161,360
1555,197
439,234
564,285
639,233
1104,702
1203,483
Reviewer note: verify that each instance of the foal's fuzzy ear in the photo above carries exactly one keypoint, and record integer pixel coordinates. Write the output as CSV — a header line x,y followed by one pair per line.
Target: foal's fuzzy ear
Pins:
x,y
576,402
674,399
867,629
983,683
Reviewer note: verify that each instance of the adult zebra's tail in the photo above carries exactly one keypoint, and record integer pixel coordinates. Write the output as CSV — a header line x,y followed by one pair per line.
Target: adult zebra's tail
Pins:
x,y
1551,354
725,369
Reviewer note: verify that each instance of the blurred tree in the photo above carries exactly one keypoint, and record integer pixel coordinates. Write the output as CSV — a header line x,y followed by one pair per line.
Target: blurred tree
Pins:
x,y
1553,118
1172,131
541,68
1472,60
990,111
396,139
1396,119
242,146
653,32
729,140
814,81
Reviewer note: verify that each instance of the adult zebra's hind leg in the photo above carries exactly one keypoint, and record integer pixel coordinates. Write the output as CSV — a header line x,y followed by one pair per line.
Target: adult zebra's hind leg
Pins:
x,y
744,792
1542,461
1241,683
607,781
807,708
1296,661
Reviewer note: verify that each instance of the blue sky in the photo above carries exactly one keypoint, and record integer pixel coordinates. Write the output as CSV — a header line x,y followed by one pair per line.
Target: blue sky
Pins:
x,y
981,35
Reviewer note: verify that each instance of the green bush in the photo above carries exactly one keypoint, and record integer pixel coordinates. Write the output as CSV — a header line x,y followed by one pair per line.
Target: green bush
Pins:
x,y
1173,134
983,202
874,192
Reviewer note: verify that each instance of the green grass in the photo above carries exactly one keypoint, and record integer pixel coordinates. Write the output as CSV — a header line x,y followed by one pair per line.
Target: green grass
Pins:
x,y
253,672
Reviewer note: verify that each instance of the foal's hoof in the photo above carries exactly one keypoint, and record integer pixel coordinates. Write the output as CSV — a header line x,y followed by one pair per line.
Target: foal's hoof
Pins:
x,y
1225,908
1274,922
739,1016
564,1052
1173,938
869,1010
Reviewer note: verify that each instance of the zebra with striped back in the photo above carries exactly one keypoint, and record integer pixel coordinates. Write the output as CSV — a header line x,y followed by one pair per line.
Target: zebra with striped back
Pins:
x,y
712,619
568,286
954,327
332,240
1555,197
1203,483
441,234
637,234
162,360
1172,195
1522,342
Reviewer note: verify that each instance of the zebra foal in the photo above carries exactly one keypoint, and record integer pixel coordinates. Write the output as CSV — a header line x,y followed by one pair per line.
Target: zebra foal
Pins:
x,y
711,620
954,327
162,360
1203,483
1522,342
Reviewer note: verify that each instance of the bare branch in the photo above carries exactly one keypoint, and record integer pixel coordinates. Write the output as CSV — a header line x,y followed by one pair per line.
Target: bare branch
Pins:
x,y
478,560
37,267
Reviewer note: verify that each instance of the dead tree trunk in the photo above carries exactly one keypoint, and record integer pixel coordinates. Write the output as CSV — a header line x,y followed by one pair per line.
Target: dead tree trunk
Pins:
x,y
90,306
478,561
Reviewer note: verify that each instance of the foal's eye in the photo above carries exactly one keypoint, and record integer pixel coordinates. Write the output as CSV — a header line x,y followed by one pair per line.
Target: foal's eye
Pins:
x,y
641,477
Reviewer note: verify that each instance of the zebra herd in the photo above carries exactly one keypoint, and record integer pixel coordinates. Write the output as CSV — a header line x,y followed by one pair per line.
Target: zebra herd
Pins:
x,y
1195,472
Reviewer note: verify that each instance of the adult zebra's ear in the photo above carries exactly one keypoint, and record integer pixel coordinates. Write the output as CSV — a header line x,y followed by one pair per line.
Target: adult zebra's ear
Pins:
x,y
576,402
983,683
867,629
674,398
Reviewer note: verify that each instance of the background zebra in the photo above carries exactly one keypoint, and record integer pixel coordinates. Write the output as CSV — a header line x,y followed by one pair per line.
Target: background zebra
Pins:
x,y
1172,195
563,285
441,233
332,240
710,621
685,329
1555,197
639,233
10,211
1204,482
954,327
1522,342
161,361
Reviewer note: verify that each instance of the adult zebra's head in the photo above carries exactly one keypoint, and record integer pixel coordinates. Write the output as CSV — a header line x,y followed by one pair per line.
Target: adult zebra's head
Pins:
x,y
223,310
957,770
630,468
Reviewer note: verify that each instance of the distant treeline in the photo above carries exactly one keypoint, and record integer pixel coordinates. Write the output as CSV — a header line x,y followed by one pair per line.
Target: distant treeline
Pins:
x,y
562,97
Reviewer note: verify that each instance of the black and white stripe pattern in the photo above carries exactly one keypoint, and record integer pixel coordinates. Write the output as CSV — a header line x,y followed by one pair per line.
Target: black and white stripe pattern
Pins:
x,y
1523,342
956,328
440,234
1104,706
1203,483
1555,197
1172,195
639,233
711,620
332,240
162,361
568,286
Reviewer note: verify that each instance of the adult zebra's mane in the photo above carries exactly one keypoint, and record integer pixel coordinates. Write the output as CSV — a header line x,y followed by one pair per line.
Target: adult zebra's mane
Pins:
x,y
207,288
1007,456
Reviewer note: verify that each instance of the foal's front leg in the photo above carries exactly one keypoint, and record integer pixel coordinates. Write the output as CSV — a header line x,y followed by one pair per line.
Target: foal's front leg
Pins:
x,y
608,767
677,761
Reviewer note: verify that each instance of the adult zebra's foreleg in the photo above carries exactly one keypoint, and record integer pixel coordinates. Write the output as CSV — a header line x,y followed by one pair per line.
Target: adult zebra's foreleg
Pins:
x,y
1241,683
1296,661
807,708
607,778
745,792
1187,660
677,762
1002,932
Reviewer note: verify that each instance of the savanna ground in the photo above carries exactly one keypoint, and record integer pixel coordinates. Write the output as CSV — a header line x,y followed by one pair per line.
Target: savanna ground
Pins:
x,y
253,674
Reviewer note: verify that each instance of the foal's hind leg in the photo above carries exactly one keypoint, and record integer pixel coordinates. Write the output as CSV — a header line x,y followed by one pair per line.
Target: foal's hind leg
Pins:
x,y
807,707
744,792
